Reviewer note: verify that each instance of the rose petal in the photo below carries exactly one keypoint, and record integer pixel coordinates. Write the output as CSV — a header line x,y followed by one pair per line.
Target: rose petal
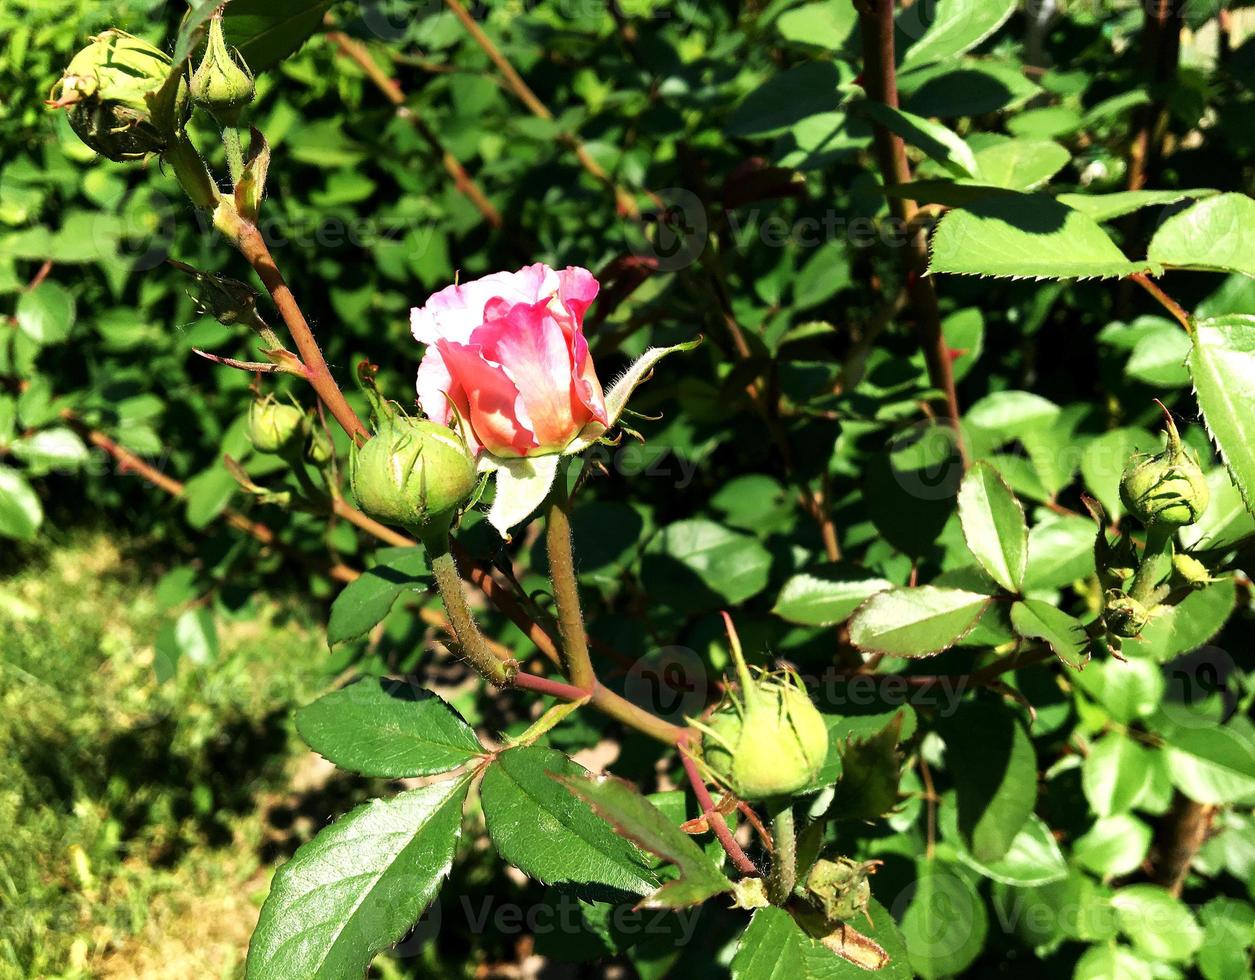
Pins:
x,y
494,408
455,311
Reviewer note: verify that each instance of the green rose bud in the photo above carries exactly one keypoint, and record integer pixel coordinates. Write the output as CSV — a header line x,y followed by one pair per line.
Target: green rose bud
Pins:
x,y
319,449
1124,616
839,888
1168,489
768,740
110,91
414,472
222,84
273,426
1191,571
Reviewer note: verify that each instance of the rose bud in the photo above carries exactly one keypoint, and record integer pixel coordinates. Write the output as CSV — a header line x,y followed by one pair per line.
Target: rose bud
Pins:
x,y
319,448
274,427
413,472
1191,571
839,888
768,741
1124,616
507,361
1168,489
222,83
109,91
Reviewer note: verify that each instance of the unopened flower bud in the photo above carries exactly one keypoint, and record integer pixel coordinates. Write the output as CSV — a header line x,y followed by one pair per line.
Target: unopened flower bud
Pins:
x,y
766,740
318,448
1124,616
839,888
274,427
1168,489
222,83
1192,571
110,92
414,472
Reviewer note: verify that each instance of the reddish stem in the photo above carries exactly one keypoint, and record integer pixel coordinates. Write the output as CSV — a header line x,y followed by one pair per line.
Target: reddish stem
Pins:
x,y
713,817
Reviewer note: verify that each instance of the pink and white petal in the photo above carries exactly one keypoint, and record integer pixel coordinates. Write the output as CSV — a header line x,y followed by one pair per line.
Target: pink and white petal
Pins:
x,y
585,383
492,399
577,288
455,311
531,345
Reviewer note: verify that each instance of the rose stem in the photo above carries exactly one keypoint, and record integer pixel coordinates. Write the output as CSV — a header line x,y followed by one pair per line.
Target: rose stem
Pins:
x,y
783,857
881,85
713,817
449,583
1166,301
566,592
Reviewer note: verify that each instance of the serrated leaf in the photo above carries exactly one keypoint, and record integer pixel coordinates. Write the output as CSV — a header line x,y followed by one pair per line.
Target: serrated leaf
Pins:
x,y
1026,236
267,31
1222,365
991,760
994,526
1213,765
1216,234
775,947
1114,774
1034,619
939,142
21,513
732,565
948,28
555,837
522,486
379,727
366,600
915,622
633,816
826,594
357,887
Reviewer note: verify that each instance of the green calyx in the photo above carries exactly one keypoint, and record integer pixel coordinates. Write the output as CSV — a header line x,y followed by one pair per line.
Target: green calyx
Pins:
x,y
838,888
768,739
222,83
274,427
1123,615
1168,489
414,473
112,91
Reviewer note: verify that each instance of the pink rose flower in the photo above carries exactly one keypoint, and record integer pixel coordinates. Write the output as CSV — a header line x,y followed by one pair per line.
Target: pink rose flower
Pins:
x,y
507,353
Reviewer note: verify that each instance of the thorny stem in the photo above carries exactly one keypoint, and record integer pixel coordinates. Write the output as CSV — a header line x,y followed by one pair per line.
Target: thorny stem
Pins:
x,y
474,647
713,817
566,590
783,857
1168,303
880,83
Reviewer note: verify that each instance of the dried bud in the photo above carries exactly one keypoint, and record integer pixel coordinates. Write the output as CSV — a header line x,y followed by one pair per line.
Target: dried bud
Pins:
x,y
414,472
273,426
110,91
222,84
1124,616
839,888
768,740
1168,489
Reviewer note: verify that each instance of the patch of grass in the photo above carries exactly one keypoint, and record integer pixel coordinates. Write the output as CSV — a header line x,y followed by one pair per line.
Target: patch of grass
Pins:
x,y
138,839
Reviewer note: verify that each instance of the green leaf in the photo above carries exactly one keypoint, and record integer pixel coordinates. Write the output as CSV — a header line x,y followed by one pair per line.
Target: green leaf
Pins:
x,y
915,622
1060,551
1216,234
1225,522
1158,924
207,494
1026,236
521,487
51,449
1213,765
1110,962
944,923
869,770
1021,164
827,594
634,817
1174,630
934,139
1127,690
991,760
994,526
1104,207
788,98
1032,859
358,887
1115,774
1228,931
732,566
379,727
366,600
20,510
1064,634
267,31
1158,357
553,836
948,28
1222,365
1113,846
826,24
46,313
776,947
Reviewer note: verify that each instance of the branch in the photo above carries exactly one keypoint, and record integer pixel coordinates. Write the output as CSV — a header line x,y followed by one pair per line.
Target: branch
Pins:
x,y
1166,301
566,591
1183,831
880,82
713,817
